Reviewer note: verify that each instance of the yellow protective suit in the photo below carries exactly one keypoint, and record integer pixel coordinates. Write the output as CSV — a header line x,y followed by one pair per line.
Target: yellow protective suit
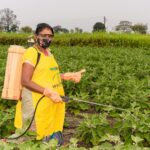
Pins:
x,y
49,116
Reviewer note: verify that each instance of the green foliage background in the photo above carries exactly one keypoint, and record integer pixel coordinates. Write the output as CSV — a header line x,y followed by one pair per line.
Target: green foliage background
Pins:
x,y
118,69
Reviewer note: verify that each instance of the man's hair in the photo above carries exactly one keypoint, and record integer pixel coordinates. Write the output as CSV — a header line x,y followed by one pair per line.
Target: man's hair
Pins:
x,y
42,26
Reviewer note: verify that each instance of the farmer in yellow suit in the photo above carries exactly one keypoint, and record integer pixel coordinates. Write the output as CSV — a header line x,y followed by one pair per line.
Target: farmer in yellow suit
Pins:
x,y
40,76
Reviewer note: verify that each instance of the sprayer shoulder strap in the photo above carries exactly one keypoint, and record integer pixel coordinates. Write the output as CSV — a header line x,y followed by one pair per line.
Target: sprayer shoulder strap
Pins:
x,y
38,59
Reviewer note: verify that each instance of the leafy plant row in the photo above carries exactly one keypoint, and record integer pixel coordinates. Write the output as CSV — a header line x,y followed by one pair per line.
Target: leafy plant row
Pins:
x,y
84,39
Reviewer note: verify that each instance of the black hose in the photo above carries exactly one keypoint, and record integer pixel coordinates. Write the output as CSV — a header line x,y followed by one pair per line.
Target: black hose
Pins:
x,y
64,98
29,124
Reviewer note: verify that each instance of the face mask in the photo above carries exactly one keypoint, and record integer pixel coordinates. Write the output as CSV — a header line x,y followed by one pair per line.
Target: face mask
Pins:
x,y
44,43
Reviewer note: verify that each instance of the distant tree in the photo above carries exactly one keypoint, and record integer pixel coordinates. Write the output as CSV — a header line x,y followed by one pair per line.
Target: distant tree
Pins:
x,y
140,28
26,29
124,26
71,31
64,30
8,20
78,30
14,28
99,26
59,29
1,28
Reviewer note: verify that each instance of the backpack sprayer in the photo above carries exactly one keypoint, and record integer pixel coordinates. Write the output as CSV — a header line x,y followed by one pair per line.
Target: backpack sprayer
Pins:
x,y
12,82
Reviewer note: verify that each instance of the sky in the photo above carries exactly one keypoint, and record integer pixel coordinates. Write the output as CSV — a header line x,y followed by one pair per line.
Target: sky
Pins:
x,y
79,13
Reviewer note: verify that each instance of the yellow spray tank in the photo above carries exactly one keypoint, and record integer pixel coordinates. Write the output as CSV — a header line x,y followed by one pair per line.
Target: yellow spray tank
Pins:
x,y
12,81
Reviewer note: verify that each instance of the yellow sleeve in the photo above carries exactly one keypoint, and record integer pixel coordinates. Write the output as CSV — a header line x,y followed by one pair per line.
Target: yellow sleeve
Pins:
x,y
30,56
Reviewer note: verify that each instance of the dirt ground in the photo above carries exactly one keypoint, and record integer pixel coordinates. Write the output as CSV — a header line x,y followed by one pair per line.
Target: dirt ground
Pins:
x,y
71,124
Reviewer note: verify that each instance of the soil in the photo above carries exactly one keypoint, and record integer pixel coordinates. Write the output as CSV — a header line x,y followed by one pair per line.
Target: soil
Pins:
x,y
70,129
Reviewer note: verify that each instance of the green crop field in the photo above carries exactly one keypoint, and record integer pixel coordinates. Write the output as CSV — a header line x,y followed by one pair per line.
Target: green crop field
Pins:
x,y
117,75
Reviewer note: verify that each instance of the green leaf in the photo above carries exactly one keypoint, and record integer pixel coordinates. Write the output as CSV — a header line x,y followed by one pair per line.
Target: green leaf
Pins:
x,y
136,139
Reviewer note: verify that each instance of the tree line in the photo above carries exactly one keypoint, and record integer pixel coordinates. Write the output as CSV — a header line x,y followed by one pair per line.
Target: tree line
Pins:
x,y
9,23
